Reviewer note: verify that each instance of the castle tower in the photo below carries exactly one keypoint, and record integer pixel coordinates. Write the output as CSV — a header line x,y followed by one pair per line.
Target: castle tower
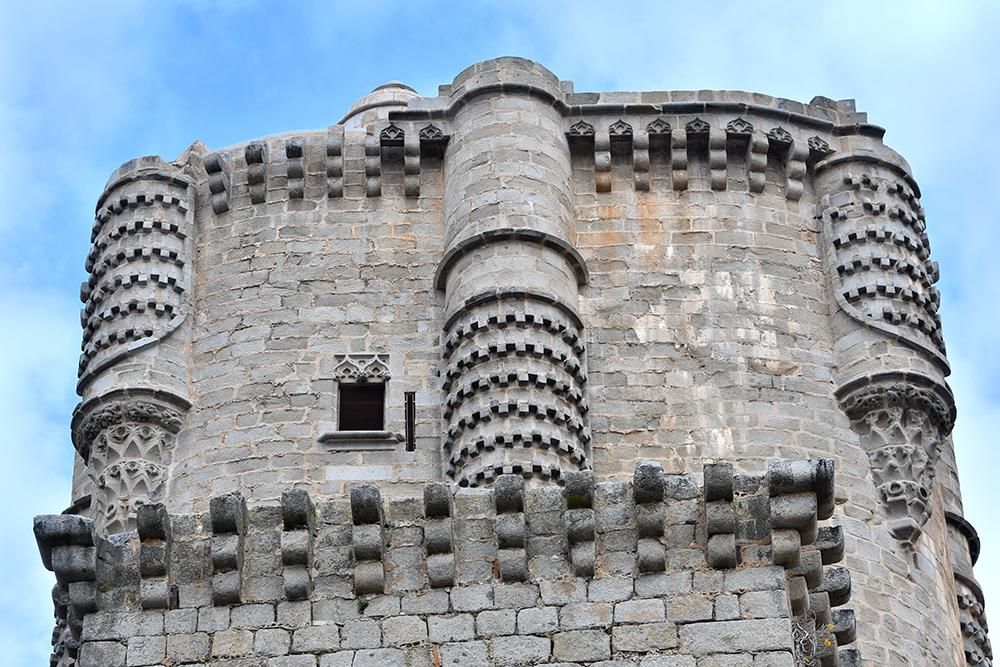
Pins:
x,y
518,375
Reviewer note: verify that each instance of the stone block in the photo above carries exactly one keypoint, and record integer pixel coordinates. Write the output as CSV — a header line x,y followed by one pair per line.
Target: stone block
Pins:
x,y
515,595
292,661
644,638
465,653
192,647
403,630
610,589
509,493
232,643
179,621
755,579
103,654
661,584
380,657
735,636
491,623
640,611
382,605
430,602
360,633
453,628
337,610
667,661
472,598
774,659
213,619
727,608
583,615
123,625
581,645
316,639
271,642
537,621
251,616
516,650
764,604
145,651
337,659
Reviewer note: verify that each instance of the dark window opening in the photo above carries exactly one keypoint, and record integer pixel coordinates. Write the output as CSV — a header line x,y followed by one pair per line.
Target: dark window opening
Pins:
x,y
362,407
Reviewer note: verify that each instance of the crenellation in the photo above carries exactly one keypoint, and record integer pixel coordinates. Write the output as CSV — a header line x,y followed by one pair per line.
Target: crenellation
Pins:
x,y
295,167
218,182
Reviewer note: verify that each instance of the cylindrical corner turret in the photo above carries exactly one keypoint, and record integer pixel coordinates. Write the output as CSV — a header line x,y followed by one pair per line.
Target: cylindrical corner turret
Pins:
x,y
891,363
133,370
515,368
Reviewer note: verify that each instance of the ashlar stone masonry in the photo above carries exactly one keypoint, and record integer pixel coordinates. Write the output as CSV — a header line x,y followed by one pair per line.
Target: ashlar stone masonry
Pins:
x,y
517,375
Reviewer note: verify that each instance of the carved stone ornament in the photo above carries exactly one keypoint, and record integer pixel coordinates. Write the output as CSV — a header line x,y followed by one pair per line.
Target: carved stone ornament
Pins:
x,y
392,136
901,426
581,129
126,444
780,135
658,126
819,145
361,367
739,126
697,126
431,133
620,129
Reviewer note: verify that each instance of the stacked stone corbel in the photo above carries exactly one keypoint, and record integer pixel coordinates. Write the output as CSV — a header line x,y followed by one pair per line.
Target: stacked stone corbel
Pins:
x,y
335,162
720,516
297,543
511,528
368,540
154,556
257,159
228,520
580,524
218,182
67,546
774,519
295,169
438,541
373,166
648,489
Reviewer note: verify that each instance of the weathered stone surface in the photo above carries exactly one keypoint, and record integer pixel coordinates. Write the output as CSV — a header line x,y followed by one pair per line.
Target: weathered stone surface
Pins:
x,y
581,645
648,298
521,650
735,636
644,638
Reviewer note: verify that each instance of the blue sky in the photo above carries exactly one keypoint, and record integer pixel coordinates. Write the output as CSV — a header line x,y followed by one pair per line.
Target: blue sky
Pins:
x,y
88,85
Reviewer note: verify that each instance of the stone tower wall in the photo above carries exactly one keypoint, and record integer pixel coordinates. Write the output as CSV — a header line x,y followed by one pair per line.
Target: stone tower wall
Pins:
x,y
560,282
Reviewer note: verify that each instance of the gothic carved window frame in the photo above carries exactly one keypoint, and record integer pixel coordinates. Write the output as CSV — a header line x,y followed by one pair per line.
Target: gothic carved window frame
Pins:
x,y
353,371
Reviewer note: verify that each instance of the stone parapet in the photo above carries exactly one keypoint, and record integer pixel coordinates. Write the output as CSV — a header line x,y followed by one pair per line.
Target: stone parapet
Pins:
x,y
508,575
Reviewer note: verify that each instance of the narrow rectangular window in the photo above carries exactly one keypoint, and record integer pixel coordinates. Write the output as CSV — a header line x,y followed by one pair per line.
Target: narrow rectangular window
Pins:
x,y
411,417
362,407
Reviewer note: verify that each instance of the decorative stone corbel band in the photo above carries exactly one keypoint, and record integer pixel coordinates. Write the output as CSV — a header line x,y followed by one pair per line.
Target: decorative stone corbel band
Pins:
x,y
126,438
901,419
